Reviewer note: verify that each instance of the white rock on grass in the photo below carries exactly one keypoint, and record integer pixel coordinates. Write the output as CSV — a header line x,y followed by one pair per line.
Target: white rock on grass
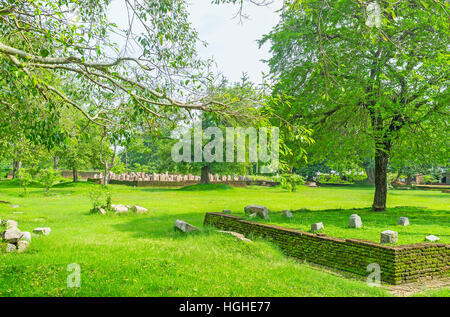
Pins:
x,y
287,214
44,231
389,236
22,246
138,209
26,236
102,211
226,211
403,221
183,226
432,238
10,248
355,221
317,226
119,208
11,224
12,235
14,206
260,211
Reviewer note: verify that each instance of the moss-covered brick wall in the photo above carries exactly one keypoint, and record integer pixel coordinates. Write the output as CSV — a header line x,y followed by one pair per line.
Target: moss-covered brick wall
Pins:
x,y
398,264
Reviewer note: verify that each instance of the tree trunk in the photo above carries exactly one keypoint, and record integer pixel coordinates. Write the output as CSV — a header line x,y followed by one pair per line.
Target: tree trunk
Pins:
x,y
106,175
204,179
55,162
75,174
381,162
370,172
409,179
17,165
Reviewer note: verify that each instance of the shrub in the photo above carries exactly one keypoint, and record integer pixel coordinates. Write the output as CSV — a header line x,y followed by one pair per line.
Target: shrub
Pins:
x,y
24,178
430,179
48,178
100,198
290,181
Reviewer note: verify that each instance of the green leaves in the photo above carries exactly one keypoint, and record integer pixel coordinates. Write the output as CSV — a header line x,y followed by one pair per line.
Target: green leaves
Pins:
x,y
44,52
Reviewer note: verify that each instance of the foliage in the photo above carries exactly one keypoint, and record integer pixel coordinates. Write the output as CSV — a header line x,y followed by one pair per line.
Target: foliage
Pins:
x,y
430,179
24,180
290,181
99,197
48,178
368,92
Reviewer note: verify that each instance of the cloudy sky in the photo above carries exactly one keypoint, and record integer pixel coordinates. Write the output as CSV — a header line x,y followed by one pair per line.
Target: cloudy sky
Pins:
x,y
233,45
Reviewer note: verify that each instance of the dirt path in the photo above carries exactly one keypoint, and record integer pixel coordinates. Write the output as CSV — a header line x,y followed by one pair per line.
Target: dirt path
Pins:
x,y
409,289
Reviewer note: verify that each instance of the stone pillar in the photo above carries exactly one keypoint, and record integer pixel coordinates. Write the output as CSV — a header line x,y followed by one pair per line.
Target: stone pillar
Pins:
x,y
419,179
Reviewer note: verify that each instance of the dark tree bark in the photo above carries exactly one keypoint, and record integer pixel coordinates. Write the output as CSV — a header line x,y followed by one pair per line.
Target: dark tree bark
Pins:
x,y
204,179
17,165
381,162
55,162
75,174
370,172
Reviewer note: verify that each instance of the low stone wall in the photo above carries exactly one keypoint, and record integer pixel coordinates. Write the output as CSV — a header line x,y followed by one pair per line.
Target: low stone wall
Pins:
x,y
181,183
81,175
398,264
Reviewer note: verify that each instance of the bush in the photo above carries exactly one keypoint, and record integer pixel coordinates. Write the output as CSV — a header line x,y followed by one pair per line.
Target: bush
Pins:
x,y
290,181
48,178
331,179
430,179
24,179
100,198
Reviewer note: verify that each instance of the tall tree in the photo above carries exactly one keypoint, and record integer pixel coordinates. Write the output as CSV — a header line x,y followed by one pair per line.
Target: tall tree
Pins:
x,y
373,73
153,71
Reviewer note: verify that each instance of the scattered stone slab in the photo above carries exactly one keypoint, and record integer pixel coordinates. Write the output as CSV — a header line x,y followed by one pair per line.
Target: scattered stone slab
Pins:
x,y
432,238
17,212
226,211
22,246
355,221
311,184
260,211
11,224
286,214
403,221
14,206
240,236
12,235
138,209
389,236
119,208
26,236
183,226
102,211
317,226
44,231
10,248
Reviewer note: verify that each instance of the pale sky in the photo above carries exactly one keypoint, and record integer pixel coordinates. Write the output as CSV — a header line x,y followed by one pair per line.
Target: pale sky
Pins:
x,y
232,45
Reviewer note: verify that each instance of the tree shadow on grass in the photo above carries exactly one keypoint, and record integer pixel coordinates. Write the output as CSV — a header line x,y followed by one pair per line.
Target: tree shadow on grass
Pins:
x,y
162,226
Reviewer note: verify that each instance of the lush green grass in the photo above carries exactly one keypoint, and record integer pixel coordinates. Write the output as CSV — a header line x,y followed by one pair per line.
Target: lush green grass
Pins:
x,y
142,255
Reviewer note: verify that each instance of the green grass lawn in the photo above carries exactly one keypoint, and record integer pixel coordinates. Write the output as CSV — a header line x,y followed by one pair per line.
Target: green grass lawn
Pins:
x,y
142,255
